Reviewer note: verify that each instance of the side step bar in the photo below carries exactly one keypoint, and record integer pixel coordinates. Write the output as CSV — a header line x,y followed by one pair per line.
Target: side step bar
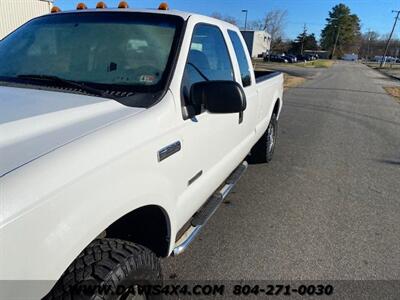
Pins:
x,y
208,209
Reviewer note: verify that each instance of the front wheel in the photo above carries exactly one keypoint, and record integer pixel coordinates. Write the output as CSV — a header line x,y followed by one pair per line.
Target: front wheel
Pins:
x,y
109,269
263,150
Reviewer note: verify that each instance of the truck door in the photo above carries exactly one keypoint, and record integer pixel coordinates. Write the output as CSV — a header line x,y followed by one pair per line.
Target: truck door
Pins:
x,y
212,144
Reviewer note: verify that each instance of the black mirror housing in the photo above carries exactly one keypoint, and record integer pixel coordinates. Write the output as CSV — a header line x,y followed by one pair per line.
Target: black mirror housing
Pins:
x,y
219,96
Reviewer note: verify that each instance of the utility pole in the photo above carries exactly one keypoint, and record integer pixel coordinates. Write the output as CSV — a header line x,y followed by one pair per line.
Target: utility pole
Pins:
x,y
245,20
336,41
369,43
302,40
390,37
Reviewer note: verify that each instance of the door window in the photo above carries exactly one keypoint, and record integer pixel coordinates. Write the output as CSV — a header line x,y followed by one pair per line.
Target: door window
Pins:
x,y
208,59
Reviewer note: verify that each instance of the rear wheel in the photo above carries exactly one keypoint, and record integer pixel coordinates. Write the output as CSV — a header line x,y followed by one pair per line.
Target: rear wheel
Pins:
x,y
263,150
109,269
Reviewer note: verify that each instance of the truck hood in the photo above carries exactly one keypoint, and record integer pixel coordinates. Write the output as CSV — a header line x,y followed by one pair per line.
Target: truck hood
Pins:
x,y
35,122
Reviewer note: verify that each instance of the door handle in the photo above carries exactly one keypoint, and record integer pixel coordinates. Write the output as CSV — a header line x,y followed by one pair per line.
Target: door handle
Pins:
x,y
169,150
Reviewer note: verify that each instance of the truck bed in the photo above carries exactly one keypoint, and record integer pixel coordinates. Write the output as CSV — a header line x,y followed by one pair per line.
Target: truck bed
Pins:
x,y
264,75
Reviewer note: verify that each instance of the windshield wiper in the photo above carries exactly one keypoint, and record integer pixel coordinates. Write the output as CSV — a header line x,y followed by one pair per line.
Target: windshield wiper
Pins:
x,y
65,82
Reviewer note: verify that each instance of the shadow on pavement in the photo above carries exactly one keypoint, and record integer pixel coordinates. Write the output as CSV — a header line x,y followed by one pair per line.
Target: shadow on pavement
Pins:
x,y
389,161
348,114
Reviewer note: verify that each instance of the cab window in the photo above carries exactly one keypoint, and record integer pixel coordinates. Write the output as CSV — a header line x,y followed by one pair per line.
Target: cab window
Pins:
x,y
241,57
208,59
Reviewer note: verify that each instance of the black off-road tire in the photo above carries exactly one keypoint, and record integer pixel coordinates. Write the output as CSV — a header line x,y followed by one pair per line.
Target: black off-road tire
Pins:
x,y
108,263
263,150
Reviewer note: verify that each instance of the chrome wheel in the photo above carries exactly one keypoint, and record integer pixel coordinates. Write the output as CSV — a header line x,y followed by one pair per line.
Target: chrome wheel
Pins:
x,y
271,138
263,150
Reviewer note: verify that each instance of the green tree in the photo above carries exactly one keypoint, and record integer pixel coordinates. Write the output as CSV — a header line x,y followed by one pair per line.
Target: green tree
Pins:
x,y
342,29
304,41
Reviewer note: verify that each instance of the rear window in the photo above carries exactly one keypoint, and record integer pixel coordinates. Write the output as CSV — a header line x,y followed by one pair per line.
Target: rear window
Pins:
x,y
241,57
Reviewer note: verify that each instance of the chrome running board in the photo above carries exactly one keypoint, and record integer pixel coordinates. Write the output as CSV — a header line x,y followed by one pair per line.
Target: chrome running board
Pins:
x,y
201,217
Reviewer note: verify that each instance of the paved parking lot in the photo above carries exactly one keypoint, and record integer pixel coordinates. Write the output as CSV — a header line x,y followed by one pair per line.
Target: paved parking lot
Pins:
x,y
290,69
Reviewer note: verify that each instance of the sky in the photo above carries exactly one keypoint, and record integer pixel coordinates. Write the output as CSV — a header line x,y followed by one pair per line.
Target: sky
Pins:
x,y
375,15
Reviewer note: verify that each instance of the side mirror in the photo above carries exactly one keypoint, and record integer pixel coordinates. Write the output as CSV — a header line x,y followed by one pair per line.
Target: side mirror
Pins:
x,y
220,97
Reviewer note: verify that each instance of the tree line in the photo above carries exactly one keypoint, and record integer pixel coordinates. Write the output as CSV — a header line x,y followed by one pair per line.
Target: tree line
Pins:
x,y
341,34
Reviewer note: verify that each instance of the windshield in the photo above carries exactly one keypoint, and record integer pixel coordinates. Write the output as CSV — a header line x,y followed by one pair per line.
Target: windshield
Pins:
x,y
120,49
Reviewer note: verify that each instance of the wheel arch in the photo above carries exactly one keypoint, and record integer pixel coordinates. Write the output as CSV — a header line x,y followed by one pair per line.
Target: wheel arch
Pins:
x,y
277,107
148,226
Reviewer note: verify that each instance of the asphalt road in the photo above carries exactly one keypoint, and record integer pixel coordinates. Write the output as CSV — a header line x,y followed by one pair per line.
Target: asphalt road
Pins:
x,y
328,206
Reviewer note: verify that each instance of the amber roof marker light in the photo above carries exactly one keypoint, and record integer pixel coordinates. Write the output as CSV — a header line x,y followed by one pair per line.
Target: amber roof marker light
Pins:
x,y
81,6
123,4
101,5
55,9
163,6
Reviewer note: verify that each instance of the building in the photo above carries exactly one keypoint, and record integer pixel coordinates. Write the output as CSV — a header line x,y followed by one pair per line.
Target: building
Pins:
x,y
258,42
14,13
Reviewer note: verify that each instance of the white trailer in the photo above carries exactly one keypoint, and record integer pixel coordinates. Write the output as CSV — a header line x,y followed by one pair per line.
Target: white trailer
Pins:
x,y
14,13
350,57
258,42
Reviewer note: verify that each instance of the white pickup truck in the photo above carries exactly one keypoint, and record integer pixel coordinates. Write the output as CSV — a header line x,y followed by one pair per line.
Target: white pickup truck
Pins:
x,y
121,132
